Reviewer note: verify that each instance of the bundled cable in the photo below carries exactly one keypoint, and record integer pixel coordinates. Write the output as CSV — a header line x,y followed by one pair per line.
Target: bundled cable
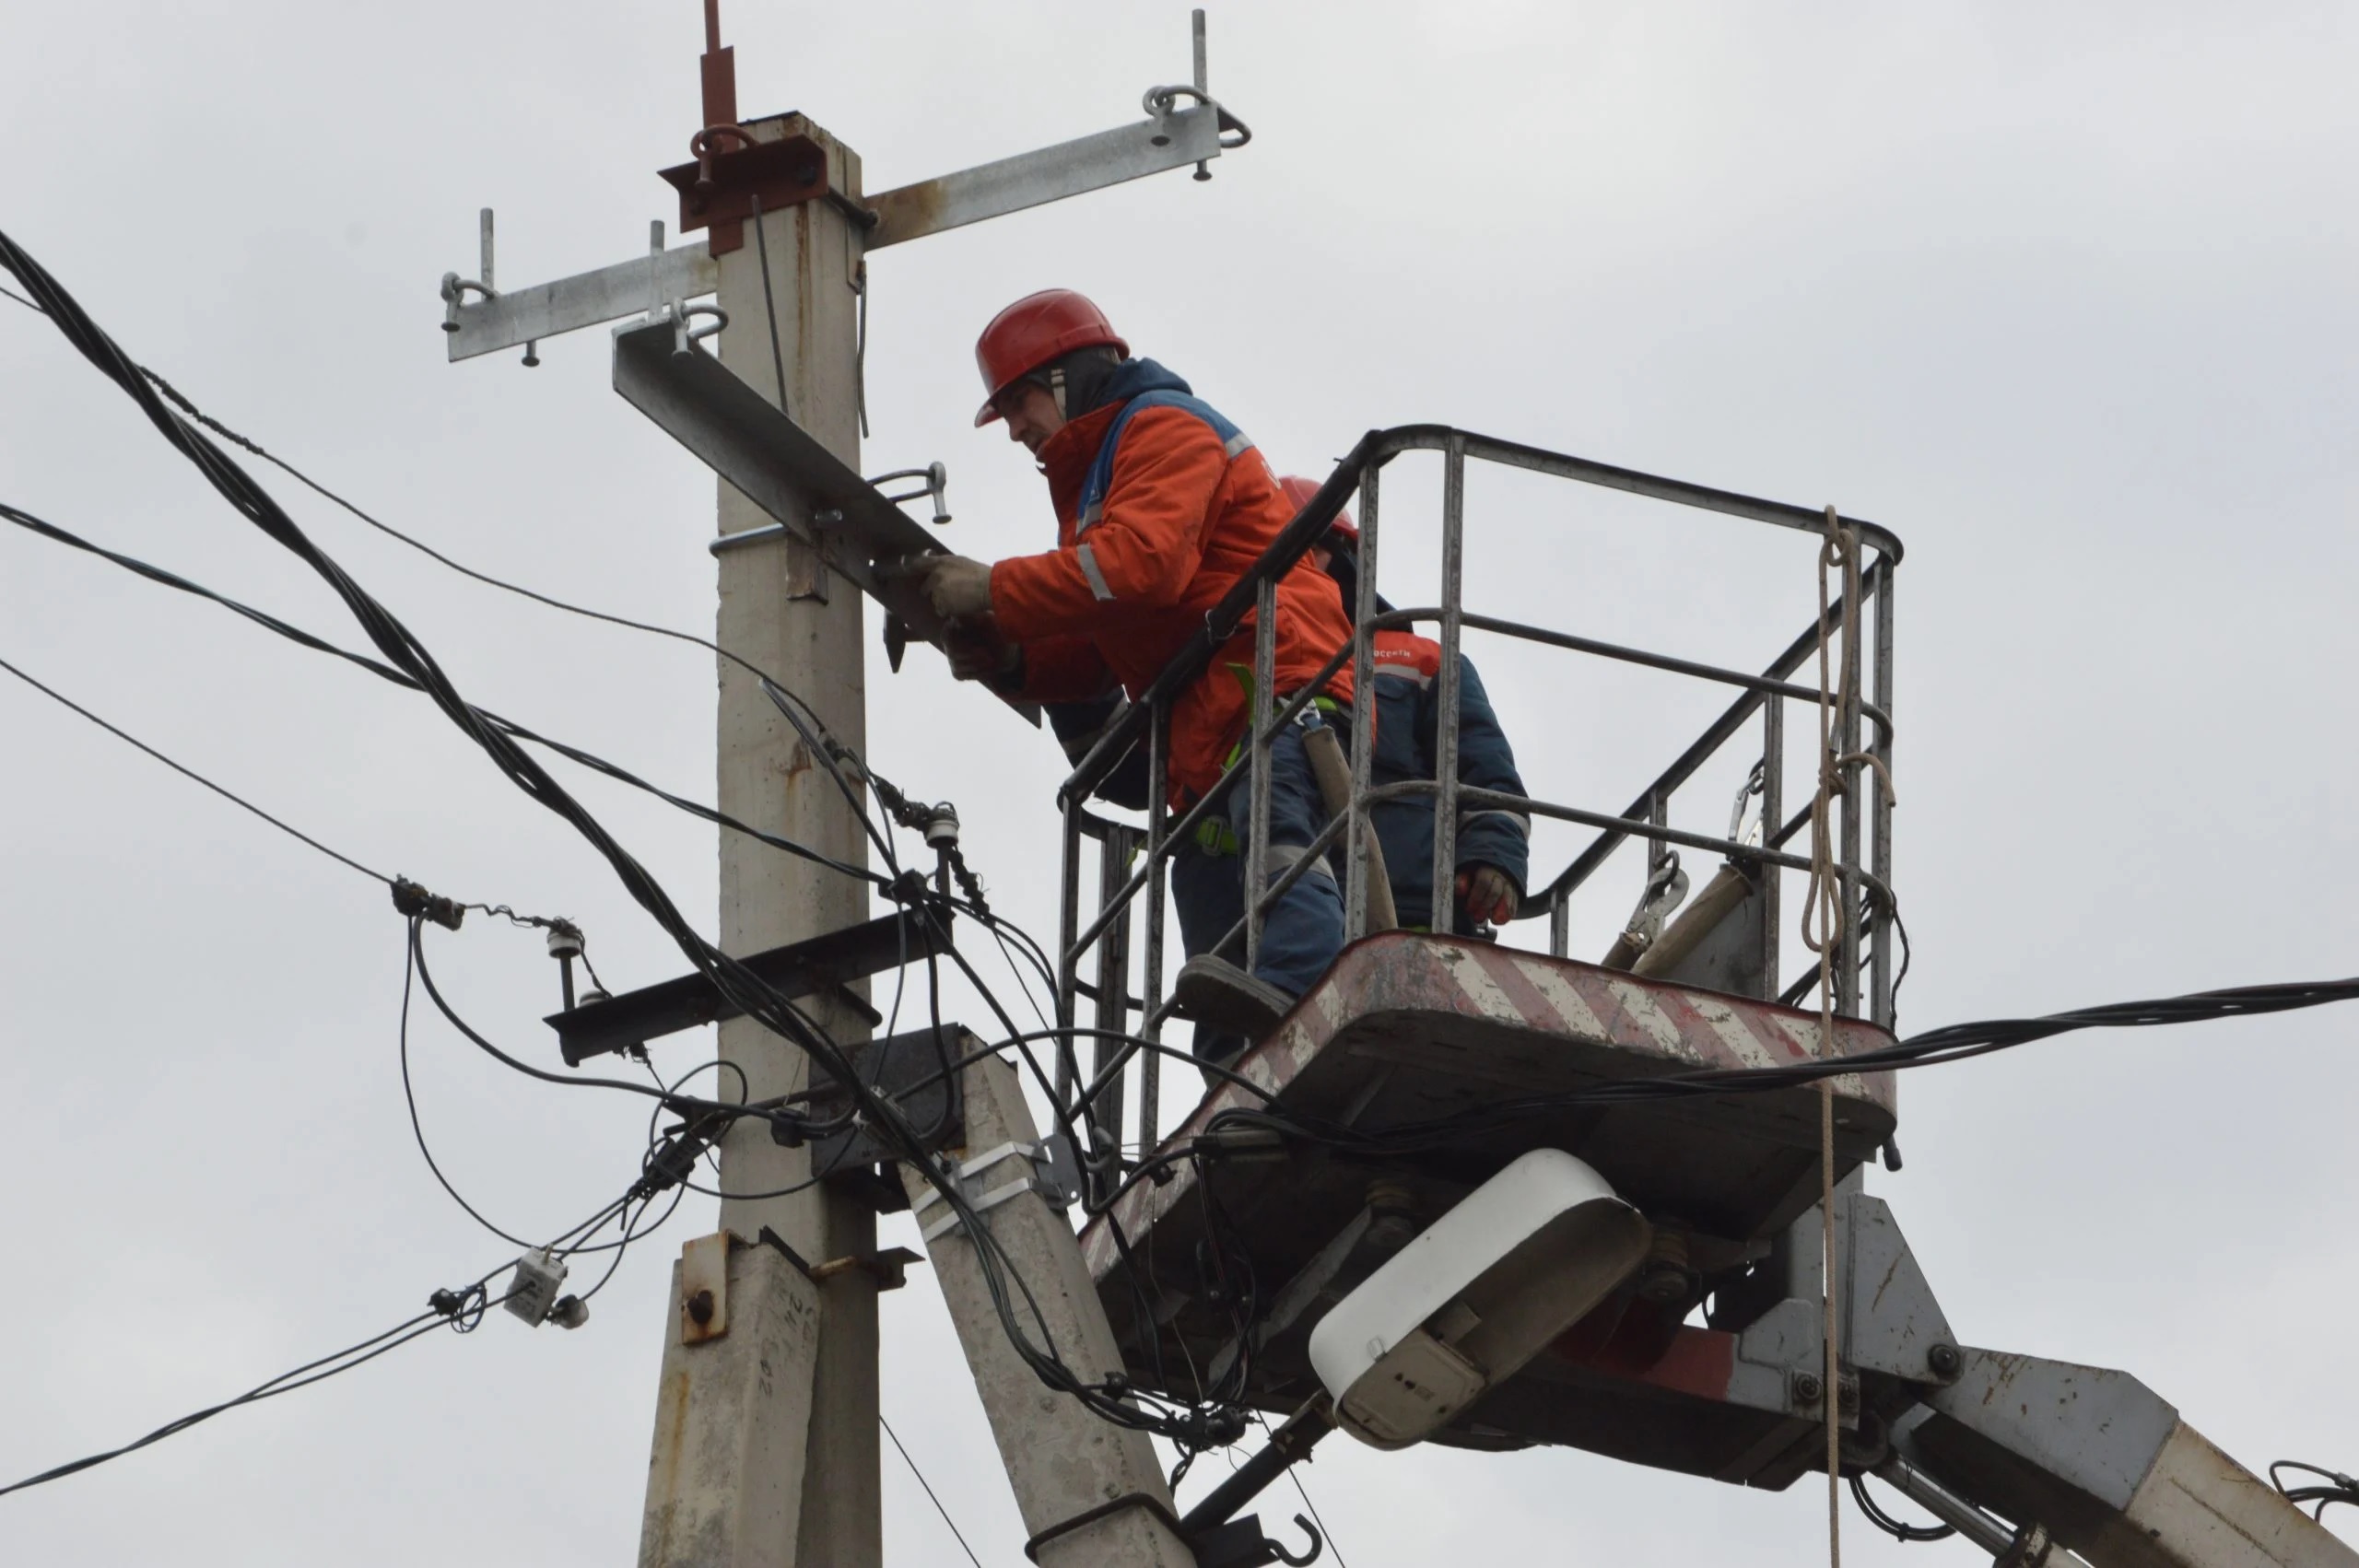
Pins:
x,y
1112,1401
1957,1042
461,1308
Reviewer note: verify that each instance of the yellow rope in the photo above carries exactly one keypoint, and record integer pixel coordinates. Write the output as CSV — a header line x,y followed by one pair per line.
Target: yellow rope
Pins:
x,y
1822,922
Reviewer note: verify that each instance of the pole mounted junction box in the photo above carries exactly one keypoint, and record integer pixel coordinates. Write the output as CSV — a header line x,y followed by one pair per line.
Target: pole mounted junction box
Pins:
x,y
532,1295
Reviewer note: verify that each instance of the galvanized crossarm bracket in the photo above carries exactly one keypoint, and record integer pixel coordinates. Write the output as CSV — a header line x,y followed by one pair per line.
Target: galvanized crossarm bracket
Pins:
x,y
997,1175
1184,126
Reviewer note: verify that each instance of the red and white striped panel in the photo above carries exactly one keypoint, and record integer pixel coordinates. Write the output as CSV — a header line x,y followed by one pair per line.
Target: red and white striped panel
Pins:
x,y
1678,1027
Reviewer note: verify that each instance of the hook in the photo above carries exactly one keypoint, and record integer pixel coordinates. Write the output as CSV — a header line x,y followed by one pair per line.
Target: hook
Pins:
x,y
1288,1558
720,320
1755,784
702,147
937,485
938,480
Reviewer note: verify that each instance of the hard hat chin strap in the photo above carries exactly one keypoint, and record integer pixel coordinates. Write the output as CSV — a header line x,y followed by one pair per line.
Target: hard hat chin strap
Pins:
x,y
1057,390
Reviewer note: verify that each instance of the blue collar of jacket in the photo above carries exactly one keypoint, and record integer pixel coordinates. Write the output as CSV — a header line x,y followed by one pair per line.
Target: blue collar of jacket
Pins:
x,y
1139,385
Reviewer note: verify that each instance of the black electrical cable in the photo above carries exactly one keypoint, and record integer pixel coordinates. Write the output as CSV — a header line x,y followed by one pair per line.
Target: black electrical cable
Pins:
x,y
738,985
1954,1043
2340,1488
550,601
1324,1533
632,1231
460,1309
929,1497
805,724
341,1361
769,302
409,1097
417,1129
187,772
417,960
268,622
1891,1524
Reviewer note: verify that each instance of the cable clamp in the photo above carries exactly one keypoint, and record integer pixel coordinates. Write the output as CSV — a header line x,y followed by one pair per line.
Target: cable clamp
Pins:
x,y
1047,1167
410,900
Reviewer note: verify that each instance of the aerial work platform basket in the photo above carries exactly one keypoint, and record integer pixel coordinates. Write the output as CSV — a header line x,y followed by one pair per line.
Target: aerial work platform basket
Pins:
x,y
1439,1033
1423,1063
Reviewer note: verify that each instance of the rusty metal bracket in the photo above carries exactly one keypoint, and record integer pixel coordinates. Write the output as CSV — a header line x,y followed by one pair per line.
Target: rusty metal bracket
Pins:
x,y
704,1287
888,1268
732,172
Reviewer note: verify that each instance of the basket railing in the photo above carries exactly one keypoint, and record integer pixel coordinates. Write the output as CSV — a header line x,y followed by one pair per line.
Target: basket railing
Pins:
x,y
1132,859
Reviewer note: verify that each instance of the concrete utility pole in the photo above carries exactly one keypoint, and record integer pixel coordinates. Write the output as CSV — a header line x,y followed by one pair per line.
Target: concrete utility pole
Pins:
x,y
1063,1461
723,1451
780,610
766,1447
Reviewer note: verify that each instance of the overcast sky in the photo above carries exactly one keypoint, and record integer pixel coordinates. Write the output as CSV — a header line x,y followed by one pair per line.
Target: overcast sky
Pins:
x,y
2062,295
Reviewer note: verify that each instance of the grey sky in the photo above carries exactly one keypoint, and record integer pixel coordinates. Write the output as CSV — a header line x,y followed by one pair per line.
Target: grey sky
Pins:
x,y
2063,294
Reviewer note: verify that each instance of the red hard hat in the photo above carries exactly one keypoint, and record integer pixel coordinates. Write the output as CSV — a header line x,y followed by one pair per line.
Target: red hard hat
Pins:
x,y
1034,330
1299,490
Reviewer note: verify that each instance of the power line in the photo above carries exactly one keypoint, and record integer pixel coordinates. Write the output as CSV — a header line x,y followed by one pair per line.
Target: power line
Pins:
x,y
384,672
1956,1042
1112,1399
462,1309
246,442
409,1096
807,719
187,772
465,1309
929,1497
305,640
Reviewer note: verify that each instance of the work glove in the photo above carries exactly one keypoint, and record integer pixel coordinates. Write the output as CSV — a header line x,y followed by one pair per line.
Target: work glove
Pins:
x,y
979,650
957,588
1488,894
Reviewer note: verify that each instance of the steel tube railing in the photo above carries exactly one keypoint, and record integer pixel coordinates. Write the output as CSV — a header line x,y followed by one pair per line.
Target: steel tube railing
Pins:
x,y
1880,834
1371,450
1699,751
1846,718
1773,806
1864,938
1453,572
1762,685
1158,743
1363,649
1262,739
1204,807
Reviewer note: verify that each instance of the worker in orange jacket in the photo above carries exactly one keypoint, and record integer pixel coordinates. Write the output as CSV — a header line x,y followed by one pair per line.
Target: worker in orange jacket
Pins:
x,y
1162,506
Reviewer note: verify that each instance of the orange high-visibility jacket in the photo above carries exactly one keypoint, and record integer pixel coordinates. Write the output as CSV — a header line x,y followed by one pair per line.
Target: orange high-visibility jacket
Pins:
x,y
1150,536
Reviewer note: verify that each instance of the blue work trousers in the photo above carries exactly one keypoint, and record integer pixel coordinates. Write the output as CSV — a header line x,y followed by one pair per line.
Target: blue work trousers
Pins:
x,y
1304,931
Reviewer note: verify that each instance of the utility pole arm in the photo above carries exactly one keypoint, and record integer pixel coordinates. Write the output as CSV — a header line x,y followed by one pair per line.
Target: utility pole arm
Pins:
x,y
2100,1462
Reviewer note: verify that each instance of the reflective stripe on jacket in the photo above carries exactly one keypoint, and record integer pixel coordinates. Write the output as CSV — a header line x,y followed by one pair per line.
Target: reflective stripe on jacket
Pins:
x,y
1179,506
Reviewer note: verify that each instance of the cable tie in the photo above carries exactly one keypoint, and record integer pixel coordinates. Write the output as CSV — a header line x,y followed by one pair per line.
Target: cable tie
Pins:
x,y
410,900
